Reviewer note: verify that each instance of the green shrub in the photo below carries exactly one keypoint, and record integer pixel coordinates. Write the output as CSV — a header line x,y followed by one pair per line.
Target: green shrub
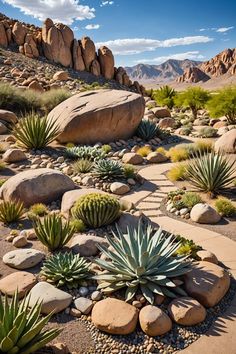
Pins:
x,y
129,171
21,327
82,166
190,199
225,207
39,209
177,154
194,98
164,96
106,148
144,151
141,260
96,209
11,211
208,132
177,172
147,130
65,269
185,131
85,152
52,98
175,195
161,150
78,225
210,172
187,248
52,232
204,145
108,169
178,204
34,132
223,103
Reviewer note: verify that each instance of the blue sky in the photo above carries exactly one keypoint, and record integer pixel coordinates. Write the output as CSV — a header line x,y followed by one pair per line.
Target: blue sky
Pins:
x,y
148,31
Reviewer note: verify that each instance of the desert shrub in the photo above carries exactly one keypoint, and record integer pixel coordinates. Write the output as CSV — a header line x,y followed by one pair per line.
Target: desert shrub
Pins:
x,y
164,96
21,327
34,132
11,211
82,166
225,207
52,232
39,209
204,145
144,151
223,103
187,248
207,132
106,148
178,204
147,130
129,171
161,150
52,98
85,152
141,260
190,199
108,169
177,172
185,131
65,269
175,195
78,225
194,98
96,209
210,172
177,154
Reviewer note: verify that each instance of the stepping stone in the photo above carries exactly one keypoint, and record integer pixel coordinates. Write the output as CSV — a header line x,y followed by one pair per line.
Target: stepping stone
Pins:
x,y
23,282
23,258
53,299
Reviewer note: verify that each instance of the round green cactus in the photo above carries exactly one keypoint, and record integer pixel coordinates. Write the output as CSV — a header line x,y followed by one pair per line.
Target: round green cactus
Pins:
x,y
96,209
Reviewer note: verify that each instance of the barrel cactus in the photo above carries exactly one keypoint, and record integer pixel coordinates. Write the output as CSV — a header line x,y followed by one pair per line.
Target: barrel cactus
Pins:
x,y
96,209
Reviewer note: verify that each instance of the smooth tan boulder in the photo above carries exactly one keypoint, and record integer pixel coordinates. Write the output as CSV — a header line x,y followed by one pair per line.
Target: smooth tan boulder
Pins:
x,y
106,60
3,36
154,321
132,158
86,245
114,316
61,75
23,258
78,61
19,32
22,282
207,256
88,51
207,282
100,115
14,155
165,123
204,214
95,68
186,311
8,116
227,142
156,157
161,112
36,86
42,185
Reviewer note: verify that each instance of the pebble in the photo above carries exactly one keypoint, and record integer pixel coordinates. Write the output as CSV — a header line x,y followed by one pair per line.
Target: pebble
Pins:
x,y
83,291
96,295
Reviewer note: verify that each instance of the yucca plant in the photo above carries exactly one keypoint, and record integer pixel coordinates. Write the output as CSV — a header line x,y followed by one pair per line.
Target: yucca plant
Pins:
x,y
34,132
96,209
85,152
82,166
52,232
142,260
210,172
11,211
21,328
108,169
147,130
65,269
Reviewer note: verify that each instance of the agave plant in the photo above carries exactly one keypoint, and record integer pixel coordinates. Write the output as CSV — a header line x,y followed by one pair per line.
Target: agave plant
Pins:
x,y
147,130
11,211
210,172
65,269
52,232
83,166
107,169
141,260
21,327
85,152
34,132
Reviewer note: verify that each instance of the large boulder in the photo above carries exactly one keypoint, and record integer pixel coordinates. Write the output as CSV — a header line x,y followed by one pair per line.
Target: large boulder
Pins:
x,y
227,142
154,321
88,52
186,311
106,60
207,282
114,316
78,61
165,123
161,112
19,32
36,186
14,155
3,36
204,214
101,115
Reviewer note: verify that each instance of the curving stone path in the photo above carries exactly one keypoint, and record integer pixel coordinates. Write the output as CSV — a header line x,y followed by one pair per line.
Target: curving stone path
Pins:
x,y
221,336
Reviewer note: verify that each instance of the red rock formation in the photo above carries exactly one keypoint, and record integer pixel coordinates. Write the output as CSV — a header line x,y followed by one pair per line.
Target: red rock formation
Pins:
x,y
193,74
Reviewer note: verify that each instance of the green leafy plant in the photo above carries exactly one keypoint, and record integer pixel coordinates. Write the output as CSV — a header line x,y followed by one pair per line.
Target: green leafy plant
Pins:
x,y
141,259
108,169
11,211
210,172
129,171
225,207
190,199
78,225
194,98
178,204
34,132
85,152
223,103
22,328
52,232
147,130
96,209
175,195
187,248
207,132
82,166
65,269
164,96
177,172
39,209
106,148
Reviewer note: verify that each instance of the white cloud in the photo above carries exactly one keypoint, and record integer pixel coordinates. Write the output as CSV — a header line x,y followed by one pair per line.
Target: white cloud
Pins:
x,y
194,55
224,29
65,11
203,29
131,46
106,3
92,27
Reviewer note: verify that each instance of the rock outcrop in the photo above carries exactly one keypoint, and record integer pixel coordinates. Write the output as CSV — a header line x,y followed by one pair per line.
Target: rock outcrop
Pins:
x,y
193,75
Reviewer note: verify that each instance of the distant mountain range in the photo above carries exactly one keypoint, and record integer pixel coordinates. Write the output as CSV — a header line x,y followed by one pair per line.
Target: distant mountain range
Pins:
x,y
167,71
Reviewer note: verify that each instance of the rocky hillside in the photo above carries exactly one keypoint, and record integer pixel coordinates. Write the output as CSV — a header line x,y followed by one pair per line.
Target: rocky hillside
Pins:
x,y
223,63
56,44
167,71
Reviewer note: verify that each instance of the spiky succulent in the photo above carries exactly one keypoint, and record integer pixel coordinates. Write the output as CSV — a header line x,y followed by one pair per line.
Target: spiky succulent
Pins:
x,y
141,259
11,211
108,169
96,209
35,132
82,166
21,328
210,172
147,130
85,152
65,269
52,232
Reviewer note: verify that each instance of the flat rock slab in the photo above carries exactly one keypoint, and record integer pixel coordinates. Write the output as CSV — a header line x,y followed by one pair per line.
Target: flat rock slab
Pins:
x,y
53,299
22,282
23,258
